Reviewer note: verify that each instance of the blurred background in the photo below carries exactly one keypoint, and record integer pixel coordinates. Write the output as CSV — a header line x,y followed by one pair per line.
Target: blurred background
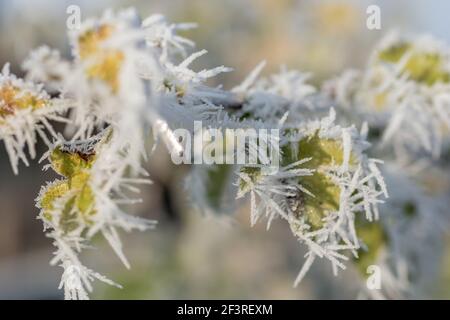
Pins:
x,y
190,255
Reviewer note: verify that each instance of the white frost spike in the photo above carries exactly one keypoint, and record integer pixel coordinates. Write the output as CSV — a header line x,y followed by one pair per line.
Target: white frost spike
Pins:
x,y
269,187
251,78
161,129
347,148
306,266
191,58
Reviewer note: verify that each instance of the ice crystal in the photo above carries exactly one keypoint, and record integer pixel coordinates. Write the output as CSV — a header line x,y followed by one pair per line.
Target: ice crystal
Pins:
x,y
325,183
403,91
25,112
86,201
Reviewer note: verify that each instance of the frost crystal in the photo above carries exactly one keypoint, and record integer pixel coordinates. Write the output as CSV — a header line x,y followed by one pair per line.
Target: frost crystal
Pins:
x,y
25,112
86,202
403,91
326,182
